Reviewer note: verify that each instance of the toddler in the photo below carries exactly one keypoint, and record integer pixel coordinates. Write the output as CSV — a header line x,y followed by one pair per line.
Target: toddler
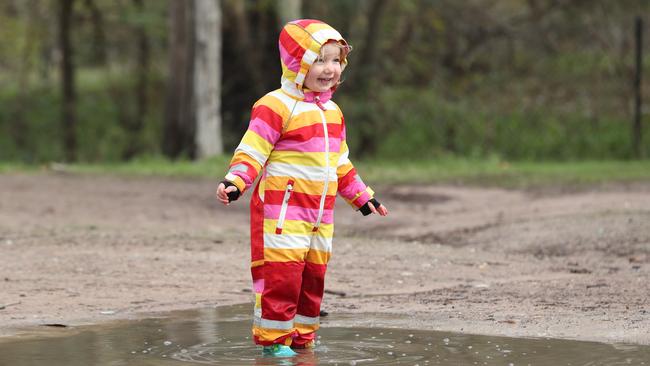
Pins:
x,y
296,141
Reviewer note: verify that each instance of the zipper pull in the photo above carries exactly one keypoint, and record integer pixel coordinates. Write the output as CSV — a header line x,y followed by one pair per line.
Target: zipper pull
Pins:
x,y
318,103
289,190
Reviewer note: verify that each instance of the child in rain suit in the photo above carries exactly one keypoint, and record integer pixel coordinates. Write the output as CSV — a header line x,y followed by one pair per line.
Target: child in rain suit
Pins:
x,y
296,142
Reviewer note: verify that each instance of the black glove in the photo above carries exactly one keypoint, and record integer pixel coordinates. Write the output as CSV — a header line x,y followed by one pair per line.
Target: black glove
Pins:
x,y
234,195
365,209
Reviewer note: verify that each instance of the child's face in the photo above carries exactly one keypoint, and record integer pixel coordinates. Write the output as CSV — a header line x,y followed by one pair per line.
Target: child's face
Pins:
x,y
325,72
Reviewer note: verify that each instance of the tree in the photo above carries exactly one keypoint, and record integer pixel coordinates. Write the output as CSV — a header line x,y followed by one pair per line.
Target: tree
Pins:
x,y
289,10
177,134
207,78
69,118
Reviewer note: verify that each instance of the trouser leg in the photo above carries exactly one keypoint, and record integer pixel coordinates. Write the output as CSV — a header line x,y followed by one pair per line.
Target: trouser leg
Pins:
x,y
277,279
311,292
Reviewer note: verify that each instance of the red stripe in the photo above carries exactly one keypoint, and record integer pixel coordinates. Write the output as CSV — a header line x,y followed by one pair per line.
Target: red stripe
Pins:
x,y
314,130
345,180
313,284
291,46
273,197
257,232
266,114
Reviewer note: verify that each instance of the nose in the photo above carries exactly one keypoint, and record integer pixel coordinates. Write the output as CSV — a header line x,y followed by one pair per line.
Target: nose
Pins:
x,y
329,67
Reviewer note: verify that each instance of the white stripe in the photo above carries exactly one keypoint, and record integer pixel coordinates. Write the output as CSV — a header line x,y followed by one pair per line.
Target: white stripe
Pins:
x,y
309,57
257,312
248,150
300,78
276,324
326,34
284,98
327,169
343,159
231,177
299,171
305,107
306,319
286,241
321,243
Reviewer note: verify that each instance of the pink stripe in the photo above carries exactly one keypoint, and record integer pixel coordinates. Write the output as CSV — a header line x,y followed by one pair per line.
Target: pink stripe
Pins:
x,y
258,286
260,127
289,61
315,144
365,197
352,189
298,213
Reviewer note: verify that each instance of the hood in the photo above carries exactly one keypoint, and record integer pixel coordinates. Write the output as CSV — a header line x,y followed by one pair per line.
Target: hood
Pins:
x,y
300,43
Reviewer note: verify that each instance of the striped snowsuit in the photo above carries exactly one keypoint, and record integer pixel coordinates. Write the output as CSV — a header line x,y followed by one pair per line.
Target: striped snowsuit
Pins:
x,y
296,141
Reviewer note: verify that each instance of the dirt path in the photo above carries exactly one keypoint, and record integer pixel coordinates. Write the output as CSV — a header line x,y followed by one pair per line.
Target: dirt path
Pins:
x,y
85,249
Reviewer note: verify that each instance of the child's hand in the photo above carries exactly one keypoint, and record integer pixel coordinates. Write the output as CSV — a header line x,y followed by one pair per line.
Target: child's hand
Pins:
x,y
227,194
381,210
373,207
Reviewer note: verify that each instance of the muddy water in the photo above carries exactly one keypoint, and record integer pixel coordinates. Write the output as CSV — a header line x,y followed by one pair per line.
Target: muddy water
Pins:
x,y
221,337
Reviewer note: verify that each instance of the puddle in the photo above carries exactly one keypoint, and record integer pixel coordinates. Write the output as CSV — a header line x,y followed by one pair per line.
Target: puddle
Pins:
x,y
222,337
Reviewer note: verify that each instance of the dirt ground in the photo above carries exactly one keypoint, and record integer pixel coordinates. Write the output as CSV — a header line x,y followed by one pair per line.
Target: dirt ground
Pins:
x,y
562,263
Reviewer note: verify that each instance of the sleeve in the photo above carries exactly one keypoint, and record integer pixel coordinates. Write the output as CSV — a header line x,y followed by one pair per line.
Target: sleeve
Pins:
x,y
264,130
351,187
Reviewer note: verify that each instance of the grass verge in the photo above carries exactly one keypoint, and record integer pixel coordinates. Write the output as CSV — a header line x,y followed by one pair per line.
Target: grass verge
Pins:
x,y
480,172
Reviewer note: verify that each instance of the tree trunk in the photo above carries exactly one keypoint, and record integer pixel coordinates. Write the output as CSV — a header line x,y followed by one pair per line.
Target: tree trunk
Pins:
x,y
99,56
207,78
178,133
136,124
289,10
68,121
364,77
252,58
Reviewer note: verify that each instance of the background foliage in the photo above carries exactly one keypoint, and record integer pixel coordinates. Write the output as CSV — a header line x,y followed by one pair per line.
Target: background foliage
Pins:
x,y
513,79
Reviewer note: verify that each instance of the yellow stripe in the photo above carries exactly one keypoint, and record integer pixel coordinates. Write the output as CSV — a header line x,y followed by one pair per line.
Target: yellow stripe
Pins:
x,y
300,185
306,328
257,142
257,263
284,255
300,36
291,75
239,183
241,156
275,104
270,334
318,257
297,227
299,158
344,169
315,27
309,118
258,300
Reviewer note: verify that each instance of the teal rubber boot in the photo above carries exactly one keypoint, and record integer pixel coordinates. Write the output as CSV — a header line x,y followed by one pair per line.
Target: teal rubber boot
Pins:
x,y
278,350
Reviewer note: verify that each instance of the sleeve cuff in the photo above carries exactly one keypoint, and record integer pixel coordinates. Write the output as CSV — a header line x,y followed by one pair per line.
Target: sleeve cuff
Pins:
x,y
237,181
362,198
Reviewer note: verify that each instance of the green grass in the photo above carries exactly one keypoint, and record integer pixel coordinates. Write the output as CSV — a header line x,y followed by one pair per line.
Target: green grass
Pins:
x,y
448,170
495,172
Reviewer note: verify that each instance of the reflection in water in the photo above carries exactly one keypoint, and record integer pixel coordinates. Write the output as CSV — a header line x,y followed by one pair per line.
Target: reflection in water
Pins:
x,y
222,337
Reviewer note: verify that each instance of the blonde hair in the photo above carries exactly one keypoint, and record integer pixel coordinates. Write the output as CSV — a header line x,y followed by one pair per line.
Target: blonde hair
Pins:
x,y
343,47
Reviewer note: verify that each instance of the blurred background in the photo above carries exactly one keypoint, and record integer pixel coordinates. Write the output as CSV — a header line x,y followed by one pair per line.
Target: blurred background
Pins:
x,y
535,80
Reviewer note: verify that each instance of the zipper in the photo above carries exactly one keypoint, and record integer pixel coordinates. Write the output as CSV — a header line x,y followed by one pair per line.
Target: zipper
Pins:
x,y
327,164
283,209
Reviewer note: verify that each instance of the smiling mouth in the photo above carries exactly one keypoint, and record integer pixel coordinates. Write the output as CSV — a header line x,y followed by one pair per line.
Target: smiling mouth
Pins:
x,y
325,80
